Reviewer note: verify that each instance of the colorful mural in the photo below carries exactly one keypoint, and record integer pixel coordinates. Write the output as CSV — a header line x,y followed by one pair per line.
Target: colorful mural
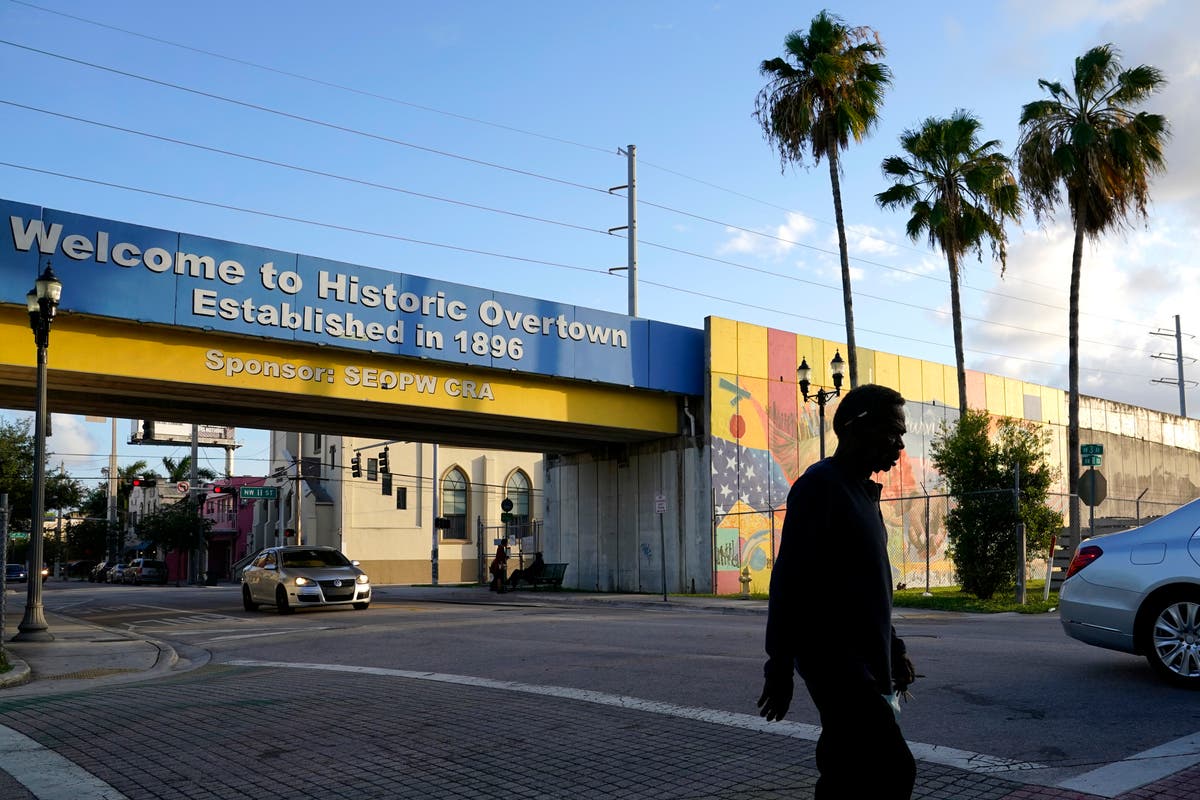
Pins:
x,y
764,435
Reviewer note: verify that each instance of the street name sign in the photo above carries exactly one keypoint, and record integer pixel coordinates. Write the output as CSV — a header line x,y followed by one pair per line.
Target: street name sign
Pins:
x,y
259,492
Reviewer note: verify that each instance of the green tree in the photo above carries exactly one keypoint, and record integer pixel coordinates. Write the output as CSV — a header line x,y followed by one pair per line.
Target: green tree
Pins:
x,y
88,538
16,470
827,88
177,527
1086,143
977,470
961,192
60,490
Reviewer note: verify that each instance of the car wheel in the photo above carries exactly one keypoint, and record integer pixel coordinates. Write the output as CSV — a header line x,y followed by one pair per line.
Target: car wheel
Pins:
x,y
362,606
248,601
1172,639
281,601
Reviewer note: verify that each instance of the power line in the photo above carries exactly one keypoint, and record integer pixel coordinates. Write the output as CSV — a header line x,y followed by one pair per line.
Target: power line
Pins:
x,y
304,221
525,132
298,168
317,81
595,271
301,118
391,140
573,226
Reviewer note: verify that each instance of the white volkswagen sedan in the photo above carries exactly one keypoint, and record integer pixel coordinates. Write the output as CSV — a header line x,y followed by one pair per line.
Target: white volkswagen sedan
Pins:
x,y
290,577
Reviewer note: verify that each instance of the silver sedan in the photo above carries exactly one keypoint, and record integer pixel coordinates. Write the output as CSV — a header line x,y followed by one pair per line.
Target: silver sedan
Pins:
x,y
1138,591
289,577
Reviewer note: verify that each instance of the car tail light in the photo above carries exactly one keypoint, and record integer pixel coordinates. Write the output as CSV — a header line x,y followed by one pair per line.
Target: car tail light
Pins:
x,y
1083,557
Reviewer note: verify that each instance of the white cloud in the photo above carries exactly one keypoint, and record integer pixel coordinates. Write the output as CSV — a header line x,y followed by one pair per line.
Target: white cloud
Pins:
x,y
1132,283
768,242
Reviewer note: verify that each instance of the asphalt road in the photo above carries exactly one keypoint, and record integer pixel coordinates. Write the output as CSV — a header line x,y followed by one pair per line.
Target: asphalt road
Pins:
x,y
1010,688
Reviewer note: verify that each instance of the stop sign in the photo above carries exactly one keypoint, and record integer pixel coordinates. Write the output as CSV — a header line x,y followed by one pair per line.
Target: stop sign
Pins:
x,y
1092,488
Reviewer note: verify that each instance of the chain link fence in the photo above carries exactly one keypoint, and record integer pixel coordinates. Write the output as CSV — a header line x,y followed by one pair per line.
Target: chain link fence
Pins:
x,y
745,542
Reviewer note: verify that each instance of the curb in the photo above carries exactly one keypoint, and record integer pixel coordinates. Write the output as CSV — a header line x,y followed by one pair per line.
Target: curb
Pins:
x,y
19,674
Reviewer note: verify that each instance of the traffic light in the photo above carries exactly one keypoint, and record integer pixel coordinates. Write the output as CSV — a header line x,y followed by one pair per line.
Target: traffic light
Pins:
x,y
356,466
144,480
383,462
217,488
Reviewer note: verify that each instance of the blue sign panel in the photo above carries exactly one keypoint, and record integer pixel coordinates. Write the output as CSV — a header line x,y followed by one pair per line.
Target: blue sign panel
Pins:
x,y
124,271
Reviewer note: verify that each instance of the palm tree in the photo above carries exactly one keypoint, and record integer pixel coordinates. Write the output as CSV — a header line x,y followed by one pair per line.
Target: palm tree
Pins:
x,y
1087,143
181,470
961,192
827,88
125,476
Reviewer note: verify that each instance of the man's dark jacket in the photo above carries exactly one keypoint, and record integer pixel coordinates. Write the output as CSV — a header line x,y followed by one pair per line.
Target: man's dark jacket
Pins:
x,y
830,609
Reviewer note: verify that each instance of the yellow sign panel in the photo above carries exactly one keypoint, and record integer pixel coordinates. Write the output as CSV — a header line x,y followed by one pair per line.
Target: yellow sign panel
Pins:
x,y
176,358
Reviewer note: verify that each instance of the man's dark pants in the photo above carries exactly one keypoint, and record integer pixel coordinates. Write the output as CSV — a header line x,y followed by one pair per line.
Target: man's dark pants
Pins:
x,y
861,752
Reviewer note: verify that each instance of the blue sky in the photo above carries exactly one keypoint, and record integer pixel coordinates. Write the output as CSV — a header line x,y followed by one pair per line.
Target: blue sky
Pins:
x,y
490,131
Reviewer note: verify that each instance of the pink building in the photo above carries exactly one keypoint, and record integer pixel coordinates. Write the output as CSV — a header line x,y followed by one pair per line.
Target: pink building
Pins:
x,y
232,520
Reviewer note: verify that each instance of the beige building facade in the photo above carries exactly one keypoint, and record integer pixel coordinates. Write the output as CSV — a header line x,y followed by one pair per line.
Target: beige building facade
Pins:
x,y
388,519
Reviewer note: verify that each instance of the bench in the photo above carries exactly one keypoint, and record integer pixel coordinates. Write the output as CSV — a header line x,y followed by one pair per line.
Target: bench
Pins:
x,y
551,577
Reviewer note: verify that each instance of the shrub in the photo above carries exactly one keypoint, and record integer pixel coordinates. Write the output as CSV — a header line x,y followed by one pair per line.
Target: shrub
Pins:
x,y
976,465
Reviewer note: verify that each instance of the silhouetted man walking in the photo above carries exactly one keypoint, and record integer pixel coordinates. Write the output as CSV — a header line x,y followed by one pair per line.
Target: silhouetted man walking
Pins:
x,y
830,610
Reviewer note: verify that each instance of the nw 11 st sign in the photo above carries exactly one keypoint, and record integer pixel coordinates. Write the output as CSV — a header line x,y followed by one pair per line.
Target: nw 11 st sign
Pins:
x,y
259,492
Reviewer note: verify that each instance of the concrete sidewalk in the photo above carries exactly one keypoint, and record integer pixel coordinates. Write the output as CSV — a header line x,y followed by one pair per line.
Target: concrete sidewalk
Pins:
x,y
79,655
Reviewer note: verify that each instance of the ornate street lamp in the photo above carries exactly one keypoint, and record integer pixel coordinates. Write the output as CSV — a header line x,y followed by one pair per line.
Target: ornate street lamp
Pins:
x,y
42,303
837,368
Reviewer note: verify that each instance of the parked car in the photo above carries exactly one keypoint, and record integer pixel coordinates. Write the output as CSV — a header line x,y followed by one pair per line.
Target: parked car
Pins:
x,y
99,573
1138,591
116,574
145,570
16,573
80,569
288,577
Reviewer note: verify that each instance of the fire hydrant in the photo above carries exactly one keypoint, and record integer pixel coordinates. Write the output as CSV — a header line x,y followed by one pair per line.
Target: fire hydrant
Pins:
x,y
744,578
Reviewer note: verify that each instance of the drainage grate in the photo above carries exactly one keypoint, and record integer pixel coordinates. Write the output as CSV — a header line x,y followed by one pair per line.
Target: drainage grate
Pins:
x,y
87,673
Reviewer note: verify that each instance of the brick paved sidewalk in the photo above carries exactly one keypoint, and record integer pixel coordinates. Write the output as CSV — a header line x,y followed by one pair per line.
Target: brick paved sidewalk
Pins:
x,y
232,732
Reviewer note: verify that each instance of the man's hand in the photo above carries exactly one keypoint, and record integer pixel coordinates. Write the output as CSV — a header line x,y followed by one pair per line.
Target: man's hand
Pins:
x,y
776,698
903,672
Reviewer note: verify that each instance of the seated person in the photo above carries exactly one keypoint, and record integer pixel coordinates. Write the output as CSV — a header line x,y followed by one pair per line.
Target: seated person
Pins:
x,y
499,568
530,573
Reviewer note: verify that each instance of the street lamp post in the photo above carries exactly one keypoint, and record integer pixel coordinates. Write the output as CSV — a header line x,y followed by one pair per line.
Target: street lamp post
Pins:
x,y
837,368
42,304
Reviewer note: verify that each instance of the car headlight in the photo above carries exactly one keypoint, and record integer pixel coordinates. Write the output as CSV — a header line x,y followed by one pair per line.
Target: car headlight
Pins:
x,y
302,581
45,571
363,579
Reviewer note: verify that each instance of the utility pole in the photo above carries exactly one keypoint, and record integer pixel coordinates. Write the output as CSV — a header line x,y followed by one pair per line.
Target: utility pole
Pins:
x,y
113,491
630,154
193,485
1178,359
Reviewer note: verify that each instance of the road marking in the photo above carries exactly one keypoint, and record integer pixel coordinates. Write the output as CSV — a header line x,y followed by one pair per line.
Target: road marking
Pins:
x,y
270,633
48,775
948,756
1138,770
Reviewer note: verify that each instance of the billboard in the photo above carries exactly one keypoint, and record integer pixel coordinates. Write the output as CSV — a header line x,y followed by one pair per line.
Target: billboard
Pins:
x,y
158,432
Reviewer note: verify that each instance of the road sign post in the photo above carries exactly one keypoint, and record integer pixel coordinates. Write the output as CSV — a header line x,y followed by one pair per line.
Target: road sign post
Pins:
x,y
660,508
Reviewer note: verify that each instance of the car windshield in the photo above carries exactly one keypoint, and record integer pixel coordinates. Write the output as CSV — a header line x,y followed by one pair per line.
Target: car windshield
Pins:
x,y
314,558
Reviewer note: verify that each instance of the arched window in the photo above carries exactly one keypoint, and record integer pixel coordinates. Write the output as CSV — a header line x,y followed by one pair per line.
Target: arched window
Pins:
x,y
454,503
517,490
